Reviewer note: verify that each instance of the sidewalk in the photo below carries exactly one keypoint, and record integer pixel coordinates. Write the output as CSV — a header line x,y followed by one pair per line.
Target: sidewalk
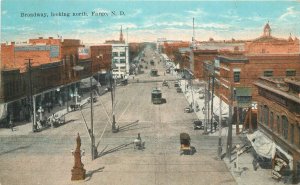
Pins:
x,y
246,175
25,128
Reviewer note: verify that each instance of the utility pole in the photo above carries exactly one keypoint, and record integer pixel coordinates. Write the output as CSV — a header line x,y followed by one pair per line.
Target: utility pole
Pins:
x,y
212,102
115,129
205,108
229,137
220,126
208,107
32,102
93,149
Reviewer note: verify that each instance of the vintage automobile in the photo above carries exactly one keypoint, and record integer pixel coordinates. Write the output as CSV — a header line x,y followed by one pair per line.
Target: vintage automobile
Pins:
x,y
185,144
165,83
198,125
179,90
188,110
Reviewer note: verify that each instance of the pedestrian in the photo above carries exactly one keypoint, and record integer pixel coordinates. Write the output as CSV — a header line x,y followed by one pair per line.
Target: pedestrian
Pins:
x,y
11,125
48,106
215,125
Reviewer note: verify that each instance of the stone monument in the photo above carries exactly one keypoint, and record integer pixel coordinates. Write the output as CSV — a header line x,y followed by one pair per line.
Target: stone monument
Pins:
x,y
78,172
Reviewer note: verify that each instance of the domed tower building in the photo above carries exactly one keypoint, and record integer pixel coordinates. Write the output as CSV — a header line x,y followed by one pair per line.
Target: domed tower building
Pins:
x,y
267,30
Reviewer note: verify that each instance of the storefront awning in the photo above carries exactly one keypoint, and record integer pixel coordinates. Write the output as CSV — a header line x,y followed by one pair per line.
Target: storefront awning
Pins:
x,y
265,147
86,83
262,144
243,91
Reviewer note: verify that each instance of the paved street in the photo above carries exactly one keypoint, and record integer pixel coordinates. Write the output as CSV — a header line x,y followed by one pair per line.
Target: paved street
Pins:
x,y
45,157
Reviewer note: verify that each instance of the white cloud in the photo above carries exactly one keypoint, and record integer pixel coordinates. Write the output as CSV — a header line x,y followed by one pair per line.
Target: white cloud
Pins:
x,y
290,12
232,15
101,10
196,13
124,25
80,22
135,13
214,25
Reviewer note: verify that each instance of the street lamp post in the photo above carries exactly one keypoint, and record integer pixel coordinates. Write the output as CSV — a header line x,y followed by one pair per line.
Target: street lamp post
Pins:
x,y
115,128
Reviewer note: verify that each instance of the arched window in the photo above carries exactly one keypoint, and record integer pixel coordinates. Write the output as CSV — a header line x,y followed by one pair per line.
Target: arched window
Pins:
x,y
285,126
261,114
271,120
292,133
266,115
278,124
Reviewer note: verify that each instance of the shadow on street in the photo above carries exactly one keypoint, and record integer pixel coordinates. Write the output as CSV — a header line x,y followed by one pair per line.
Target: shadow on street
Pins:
x,y
89,174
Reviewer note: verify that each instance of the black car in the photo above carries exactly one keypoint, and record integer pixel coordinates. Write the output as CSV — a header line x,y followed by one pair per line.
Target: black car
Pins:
x,y
198,125
179,90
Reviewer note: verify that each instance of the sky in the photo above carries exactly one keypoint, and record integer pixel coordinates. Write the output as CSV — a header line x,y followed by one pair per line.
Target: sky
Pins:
x,y
148,20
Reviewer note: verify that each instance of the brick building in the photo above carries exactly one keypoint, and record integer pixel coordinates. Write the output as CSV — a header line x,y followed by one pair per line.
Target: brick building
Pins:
x,y
237,70
48,57
268,44
279,117
199,56
101,55
171,48
208,50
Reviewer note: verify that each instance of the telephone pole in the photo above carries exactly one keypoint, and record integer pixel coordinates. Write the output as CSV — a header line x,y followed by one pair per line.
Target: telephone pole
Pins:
x,y
32,106
229,137
220,126
115,129
212,102
93,149
205,108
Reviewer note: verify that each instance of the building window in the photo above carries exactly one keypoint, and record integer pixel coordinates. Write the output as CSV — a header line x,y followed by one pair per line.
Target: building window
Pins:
x,y
115,54
122,54
236,76
285,126
290,73
278,124
261,114
122,61
292,133
268,73
298,137
266,115
115,60
271,120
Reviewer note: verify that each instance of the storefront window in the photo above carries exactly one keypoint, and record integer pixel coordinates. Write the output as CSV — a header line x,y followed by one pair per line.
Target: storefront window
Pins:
x,y
260,114
271,120
299,138
292,133
266,115
285,126
278,124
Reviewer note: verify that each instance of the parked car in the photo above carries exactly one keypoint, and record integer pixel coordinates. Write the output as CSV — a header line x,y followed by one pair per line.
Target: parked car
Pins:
x,y
179,90
165,83
198,125
188,110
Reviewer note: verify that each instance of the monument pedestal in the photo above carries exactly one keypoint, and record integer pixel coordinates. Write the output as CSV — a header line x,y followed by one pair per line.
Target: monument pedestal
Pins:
x,y
78,172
